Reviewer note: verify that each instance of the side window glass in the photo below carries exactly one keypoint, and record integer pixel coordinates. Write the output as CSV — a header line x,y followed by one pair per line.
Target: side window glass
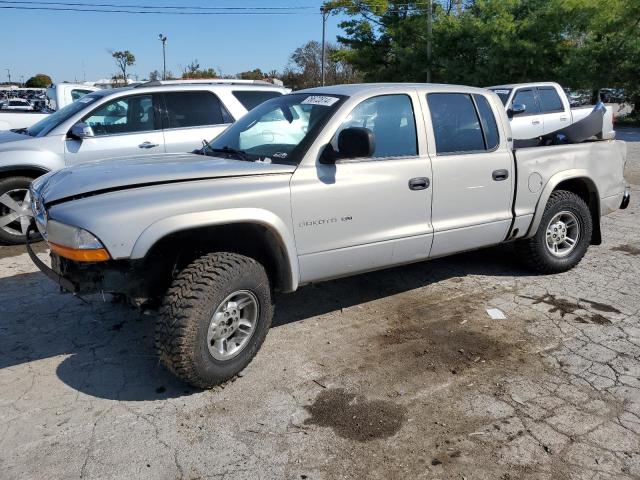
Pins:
x,y
392,121
124,115
528,99
194,109
76,94
550,100
488,121
455,123
251,99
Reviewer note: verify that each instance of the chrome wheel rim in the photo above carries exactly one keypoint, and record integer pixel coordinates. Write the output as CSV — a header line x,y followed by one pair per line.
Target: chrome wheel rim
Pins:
x,y
15,211
563,234
232,325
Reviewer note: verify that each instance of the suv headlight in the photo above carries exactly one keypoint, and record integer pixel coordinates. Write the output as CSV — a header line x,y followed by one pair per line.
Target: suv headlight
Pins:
x,y
75,243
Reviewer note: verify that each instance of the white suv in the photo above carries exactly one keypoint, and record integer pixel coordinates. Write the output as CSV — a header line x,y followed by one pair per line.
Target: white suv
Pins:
x,y
151,118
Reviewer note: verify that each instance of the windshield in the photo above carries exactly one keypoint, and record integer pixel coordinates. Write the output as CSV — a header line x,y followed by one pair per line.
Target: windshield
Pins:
x,y
503,93
279,130
50,122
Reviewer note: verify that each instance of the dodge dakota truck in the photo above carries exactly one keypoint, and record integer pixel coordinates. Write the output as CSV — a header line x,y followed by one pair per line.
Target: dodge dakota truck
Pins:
x,y
310,186
536,109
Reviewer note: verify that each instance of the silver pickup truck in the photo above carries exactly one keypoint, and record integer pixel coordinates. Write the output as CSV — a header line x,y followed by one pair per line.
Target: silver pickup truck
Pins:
x,y
311,186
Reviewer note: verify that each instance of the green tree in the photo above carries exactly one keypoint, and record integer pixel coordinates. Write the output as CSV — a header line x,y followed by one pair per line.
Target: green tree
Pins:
x,y
39,80
255,74
123,59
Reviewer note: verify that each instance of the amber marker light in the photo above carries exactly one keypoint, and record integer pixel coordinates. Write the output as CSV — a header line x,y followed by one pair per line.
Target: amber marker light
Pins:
x,y
81,255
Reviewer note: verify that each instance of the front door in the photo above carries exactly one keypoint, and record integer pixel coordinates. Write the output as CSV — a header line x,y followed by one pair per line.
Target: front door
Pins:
x,y
365,213
125,126
472,173
554,115
528,124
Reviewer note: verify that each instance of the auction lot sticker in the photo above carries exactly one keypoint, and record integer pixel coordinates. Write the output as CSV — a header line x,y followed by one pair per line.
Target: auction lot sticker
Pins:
x,y
320,100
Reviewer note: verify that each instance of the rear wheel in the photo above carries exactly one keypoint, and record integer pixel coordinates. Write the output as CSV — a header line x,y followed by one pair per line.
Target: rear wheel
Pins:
x,y
15,210
214,318
563,236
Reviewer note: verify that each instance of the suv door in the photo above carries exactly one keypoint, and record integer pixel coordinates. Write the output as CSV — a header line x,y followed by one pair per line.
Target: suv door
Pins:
x,y
365,213
472,181
191,117
124,126
554,116
528,124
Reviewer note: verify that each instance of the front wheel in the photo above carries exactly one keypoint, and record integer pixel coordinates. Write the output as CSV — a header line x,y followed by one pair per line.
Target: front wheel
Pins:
x,y
214,318
15,210
563,236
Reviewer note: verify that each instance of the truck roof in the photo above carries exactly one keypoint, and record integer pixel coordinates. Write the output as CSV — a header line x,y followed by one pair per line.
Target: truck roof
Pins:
x,y
359,88
530,84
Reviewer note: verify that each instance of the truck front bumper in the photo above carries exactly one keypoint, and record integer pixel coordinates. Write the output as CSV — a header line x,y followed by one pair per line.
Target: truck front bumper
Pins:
x,y
626,198
62,282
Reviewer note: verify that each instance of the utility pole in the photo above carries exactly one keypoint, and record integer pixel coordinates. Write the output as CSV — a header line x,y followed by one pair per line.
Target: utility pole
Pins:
x,y
163,39
429,34
9,74
325,13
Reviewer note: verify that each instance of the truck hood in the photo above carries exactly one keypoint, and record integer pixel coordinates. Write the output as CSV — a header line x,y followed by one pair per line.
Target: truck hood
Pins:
x,y
121,174
7,136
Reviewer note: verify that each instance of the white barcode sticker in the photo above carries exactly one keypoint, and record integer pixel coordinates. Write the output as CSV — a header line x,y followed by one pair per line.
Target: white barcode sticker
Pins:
x,y
503,92
320,100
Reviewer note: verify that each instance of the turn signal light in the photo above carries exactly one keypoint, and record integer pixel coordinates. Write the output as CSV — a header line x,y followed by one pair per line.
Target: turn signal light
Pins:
x,y
81,255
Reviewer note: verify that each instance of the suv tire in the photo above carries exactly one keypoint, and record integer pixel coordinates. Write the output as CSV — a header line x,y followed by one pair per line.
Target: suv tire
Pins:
x,y
214,318
13,193
563,236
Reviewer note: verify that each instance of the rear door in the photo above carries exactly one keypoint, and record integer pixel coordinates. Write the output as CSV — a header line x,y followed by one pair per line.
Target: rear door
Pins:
x,y
530,123
554,116
472,173
191,117
124,126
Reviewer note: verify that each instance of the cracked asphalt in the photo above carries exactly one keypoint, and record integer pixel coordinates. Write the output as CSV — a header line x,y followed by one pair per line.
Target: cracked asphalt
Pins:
x,y
394,374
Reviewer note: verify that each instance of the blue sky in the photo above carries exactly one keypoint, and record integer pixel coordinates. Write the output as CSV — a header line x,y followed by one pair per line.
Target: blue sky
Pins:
x,y
64,44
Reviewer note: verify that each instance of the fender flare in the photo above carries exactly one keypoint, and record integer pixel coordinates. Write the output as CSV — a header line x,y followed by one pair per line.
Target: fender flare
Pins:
x,y
554,181
160,229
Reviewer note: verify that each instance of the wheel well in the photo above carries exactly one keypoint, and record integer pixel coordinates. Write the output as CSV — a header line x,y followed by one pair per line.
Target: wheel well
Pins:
x,y
586,189
31,172
173,252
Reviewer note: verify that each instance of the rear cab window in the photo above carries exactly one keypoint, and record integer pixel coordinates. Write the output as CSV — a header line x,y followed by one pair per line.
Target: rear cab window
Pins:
x,y
550,100
194,109
462,123
250,99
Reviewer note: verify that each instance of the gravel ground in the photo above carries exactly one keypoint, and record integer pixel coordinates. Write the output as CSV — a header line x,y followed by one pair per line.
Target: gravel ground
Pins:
x,y
395,374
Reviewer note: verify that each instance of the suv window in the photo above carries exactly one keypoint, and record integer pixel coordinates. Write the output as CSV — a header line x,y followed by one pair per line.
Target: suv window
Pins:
x,y
195,109
251,99
392,121
455,123
527,98
550,100
488,121
124,115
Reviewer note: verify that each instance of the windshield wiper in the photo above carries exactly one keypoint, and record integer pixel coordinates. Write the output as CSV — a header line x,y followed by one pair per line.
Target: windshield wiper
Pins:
x,y
241,154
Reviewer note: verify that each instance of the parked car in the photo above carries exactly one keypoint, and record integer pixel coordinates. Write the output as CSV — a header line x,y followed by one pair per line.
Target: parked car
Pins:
x,y
159,117
18,105
352,178
536,109
57,96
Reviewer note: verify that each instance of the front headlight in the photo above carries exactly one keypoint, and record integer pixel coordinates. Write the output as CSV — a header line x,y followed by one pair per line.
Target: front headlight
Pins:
x,y
75,243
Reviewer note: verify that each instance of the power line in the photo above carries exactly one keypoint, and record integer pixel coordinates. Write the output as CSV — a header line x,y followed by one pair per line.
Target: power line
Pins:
x,y
154,7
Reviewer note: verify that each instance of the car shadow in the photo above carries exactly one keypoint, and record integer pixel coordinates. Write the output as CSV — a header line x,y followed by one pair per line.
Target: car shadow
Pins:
x,y
106,350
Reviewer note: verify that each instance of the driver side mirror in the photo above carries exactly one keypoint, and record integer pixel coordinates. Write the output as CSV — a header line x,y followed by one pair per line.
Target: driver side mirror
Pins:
x,y
81,130
356,142
516,109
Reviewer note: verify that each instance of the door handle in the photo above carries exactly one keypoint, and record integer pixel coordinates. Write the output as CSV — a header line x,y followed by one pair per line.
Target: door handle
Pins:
x,y
148,145
499,175
419,183
563,119
535,122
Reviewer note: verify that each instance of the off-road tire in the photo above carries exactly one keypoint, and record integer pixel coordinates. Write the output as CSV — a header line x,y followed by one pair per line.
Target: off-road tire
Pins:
x,y
187,308
533,252
6,185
